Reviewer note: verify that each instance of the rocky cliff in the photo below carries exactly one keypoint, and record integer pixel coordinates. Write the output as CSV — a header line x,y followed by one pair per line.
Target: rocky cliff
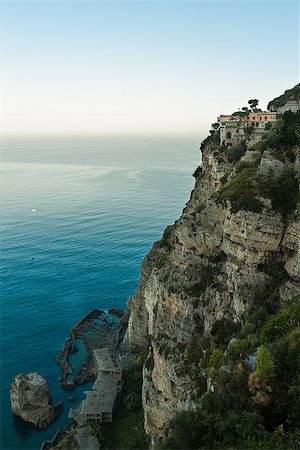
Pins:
x,y
290,100
31,400
235,248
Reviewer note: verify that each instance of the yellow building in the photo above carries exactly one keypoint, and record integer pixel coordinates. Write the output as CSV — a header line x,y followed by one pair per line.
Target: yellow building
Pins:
x,y
260,118
224,118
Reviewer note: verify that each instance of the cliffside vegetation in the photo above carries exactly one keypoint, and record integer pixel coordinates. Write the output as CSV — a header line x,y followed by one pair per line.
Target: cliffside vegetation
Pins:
x,y
284,135
289,94
246,408
251,367
246,187
218,304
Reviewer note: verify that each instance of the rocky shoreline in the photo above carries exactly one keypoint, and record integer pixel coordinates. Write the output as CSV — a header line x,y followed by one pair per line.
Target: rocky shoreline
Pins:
x,y
30,393
97,329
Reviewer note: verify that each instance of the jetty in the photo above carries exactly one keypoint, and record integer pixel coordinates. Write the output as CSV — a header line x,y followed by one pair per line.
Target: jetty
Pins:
x,y
100,402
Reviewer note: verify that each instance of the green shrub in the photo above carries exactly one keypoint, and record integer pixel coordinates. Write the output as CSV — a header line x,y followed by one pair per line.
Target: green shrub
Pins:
x,y
283,191
218,257
182,427
241,165
205,142
258,315
149,363
224,178
241,193
215,360
283,135
194,353
198,320
290,155
248,130
268,126
200,382
166,237
278,326
265,365
133,401
206,279
172,289
181,346
206,428
289,94
215,136
197,172
66,441
276,271
228,417
239,350
223,330
248,329
277,440
235,152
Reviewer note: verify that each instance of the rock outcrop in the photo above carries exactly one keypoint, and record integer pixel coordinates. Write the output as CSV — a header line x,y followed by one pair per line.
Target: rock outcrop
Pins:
x,y
289,101
212,265
86,440
30,399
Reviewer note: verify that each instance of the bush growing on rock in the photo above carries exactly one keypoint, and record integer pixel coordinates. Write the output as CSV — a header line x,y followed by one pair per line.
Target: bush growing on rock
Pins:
x,y
278,326
249,410
239,349
133,401
215,360
235,152
284,133
223,330
241,193
265,366
283,191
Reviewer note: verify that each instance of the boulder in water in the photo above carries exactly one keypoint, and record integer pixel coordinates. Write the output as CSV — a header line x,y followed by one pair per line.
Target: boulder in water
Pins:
x,y
31,400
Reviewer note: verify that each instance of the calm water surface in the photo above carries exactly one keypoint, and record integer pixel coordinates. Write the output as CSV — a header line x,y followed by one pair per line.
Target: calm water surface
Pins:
x,y
78,216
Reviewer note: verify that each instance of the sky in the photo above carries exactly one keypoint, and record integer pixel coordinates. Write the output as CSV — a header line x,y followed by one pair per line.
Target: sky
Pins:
x,y
109,67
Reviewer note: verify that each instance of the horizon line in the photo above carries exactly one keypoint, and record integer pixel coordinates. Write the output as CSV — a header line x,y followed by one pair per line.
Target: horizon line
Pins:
x,y
98,134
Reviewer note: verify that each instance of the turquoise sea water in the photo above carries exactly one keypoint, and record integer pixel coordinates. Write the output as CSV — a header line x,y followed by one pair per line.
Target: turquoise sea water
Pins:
x,y
78,216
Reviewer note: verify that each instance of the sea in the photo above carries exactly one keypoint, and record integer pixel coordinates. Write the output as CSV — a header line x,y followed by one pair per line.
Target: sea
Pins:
x,y
78,215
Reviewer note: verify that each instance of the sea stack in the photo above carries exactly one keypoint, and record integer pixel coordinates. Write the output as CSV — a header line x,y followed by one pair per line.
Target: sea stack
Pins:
x,y
31,400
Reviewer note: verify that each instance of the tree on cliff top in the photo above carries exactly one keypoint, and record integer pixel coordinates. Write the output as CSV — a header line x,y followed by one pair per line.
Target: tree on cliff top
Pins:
x,y
253,104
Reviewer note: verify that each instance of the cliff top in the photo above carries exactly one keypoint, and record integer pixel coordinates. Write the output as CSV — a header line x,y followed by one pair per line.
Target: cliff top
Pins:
x,y
289,94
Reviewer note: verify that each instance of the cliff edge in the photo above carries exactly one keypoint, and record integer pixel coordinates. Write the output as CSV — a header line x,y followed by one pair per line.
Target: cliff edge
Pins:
x,y
233,253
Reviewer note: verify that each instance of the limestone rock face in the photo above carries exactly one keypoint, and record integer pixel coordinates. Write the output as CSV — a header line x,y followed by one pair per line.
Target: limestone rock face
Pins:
x,y
30,399
212,264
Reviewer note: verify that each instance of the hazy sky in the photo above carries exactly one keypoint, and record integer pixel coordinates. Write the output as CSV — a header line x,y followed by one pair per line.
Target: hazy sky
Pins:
x,y
141,66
